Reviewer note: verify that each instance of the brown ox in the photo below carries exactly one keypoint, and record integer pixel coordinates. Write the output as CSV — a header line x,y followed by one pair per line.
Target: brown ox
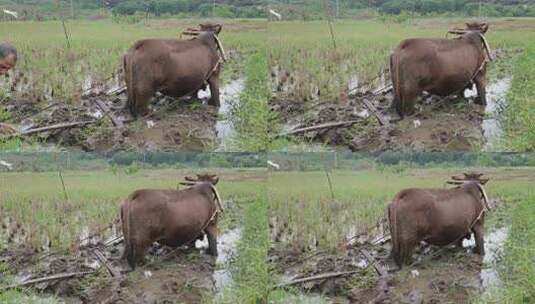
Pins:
x,y
173,67
170,217
439,66
438,216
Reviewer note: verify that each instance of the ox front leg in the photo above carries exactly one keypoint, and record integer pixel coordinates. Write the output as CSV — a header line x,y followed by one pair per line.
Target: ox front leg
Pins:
x,y
211,233
481,90
478,233
214,91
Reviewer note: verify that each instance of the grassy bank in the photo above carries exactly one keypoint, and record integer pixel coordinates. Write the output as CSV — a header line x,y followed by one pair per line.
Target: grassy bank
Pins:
x,y
520,113
517,270
251,115
252,275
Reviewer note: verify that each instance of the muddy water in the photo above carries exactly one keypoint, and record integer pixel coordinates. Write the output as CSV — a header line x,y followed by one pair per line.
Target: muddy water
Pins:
x,y
496,100
229,98
494,243
227,247
227,250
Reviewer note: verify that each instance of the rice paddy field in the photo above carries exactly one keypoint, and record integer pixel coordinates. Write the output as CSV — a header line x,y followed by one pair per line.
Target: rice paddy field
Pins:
x,y
321,221
47,229
54,75
314,74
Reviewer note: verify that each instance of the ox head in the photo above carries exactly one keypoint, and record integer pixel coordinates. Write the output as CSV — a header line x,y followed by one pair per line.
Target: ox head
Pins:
x,y
203,178
472,177
474,28
477,26
211,27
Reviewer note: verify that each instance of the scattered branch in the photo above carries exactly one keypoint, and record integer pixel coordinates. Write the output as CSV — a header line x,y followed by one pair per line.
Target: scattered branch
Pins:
x,y
55,127
317,277
378,267
48,278
116,121
380,118
320,126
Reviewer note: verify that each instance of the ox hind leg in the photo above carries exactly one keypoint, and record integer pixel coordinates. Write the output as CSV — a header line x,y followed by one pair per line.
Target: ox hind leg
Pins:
x,y
211,233
406,249
143,96
214,90
478,234
481,83
406,100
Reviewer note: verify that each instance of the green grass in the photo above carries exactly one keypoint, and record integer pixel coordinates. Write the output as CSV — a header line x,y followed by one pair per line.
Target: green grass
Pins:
x,y
520,114
518,268
251,115
252,270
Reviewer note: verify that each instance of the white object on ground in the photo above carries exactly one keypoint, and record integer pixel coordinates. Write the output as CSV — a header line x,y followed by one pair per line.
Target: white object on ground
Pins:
x,y
6,164
274,13
11,13
273,165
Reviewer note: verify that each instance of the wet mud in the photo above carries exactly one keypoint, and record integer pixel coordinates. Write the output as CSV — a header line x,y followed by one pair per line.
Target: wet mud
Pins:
x,y
105,125
368,274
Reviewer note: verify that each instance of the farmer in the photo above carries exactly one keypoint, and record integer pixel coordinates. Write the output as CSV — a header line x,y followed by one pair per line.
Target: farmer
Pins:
x,y
8,57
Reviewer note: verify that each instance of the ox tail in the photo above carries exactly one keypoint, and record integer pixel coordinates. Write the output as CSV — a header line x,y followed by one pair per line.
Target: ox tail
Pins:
x,y
396,83
394,234
129,248
130,76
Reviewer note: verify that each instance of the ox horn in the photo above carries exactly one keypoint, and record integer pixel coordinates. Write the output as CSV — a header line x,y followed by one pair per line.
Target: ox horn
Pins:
x,y
485,197
220,46
487,47
457,32
217,198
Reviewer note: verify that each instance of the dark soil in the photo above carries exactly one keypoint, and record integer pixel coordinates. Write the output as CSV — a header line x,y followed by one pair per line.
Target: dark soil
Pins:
x,y
169,275
172,125
451,125
448,275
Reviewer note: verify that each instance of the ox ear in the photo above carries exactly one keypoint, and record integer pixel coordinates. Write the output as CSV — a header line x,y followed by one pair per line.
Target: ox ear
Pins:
x,y
484,28
483,181
218,27
215,179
